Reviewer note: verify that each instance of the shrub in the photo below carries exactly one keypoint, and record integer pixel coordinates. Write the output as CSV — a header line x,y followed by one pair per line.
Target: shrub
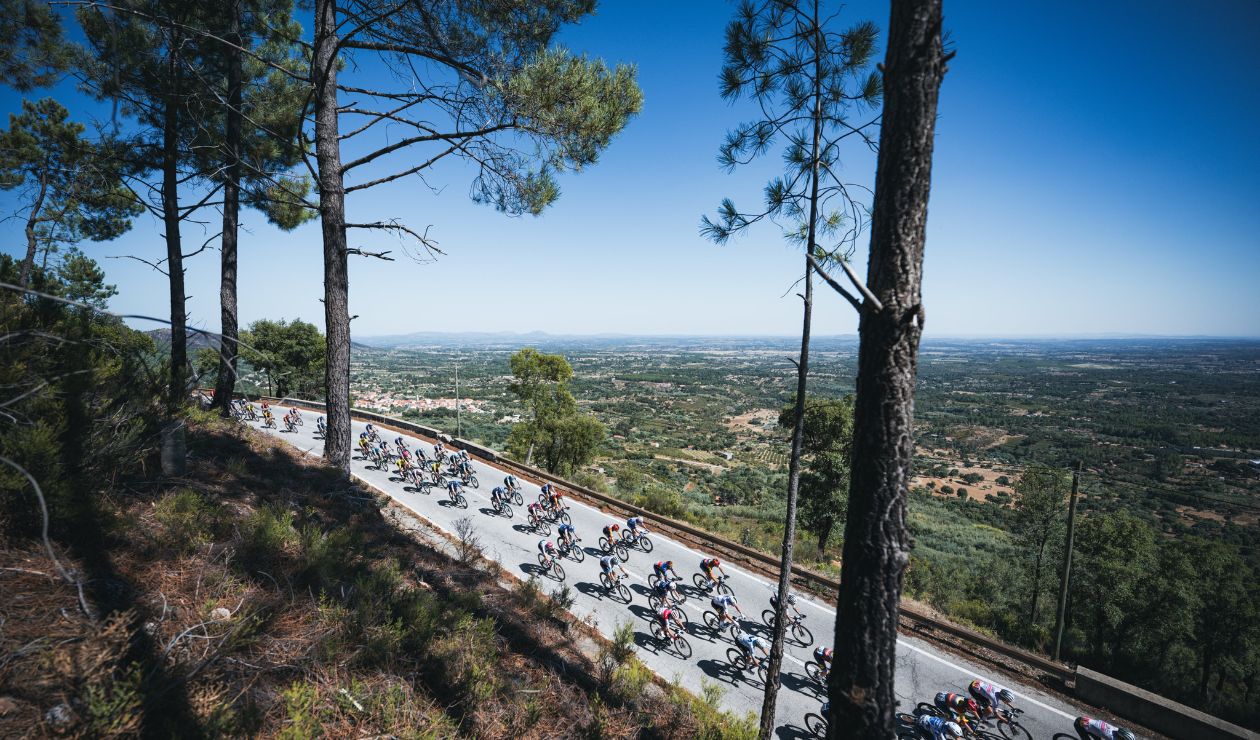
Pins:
x,y
186,519
947,489
265,535
663,501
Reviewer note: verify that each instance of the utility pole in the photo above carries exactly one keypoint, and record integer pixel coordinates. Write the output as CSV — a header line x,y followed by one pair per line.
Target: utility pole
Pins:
x,y
1067,562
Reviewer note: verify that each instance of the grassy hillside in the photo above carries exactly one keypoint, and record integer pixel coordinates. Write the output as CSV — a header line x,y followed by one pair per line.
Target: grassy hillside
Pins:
x,y
261,596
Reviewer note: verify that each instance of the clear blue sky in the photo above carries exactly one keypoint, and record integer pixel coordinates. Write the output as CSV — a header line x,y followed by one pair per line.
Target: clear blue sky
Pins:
x,y
1097,170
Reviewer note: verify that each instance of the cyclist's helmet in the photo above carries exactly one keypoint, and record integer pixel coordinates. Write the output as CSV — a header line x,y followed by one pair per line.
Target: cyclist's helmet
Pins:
x,y
668,565
1123,734
1006,696
715,563
953,730
973,707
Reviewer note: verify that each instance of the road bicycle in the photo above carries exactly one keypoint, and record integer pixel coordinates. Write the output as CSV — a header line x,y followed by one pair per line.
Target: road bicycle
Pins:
x,y
817,672
795,627
572,551
717,623
552,566
614,587
744,664
658,602
501,507
637,540
655,579
816,725
614,546
677,641
705,585
539,523
457,499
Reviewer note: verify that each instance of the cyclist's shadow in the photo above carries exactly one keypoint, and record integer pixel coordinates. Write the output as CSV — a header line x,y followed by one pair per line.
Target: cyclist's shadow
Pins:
x,y
801,683
642,612
719,670
594,590
792,732
532,569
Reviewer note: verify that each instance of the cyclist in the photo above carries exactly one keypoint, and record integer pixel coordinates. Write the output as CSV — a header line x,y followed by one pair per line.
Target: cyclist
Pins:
x,y
706,567
497,496
750,643
634,525
937,728
671,621
384,448
267,407
956,705
664,570
546,489
720,603
607,563
404,453
320,426
363,442
1096,729
667,592
548,551
567,536
791,602
990,697
823,656
535,511
553,500
511,483
439,452
371,432
611,532
453,487
401,444
404,465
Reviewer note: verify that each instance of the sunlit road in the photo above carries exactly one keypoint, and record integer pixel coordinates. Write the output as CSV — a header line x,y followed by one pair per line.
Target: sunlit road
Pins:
x,y
922,669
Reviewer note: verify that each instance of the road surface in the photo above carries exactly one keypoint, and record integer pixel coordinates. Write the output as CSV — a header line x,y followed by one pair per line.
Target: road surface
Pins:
x,y
922,669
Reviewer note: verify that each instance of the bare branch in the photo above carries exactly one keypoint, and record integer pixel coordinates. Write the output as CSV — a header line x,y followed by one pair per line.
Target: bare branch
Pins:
x,y
857,305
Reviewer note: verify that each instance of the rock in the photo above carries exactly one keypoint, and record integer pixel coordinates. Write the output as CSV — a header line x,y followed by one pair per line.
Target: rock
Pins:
x,y
7,705
221,614
59,717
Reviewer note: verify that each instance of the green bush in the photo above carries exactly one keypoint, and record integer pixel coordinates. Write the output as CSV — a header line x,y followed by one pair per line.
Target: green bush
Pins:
x,y
663,501
187,520
265,535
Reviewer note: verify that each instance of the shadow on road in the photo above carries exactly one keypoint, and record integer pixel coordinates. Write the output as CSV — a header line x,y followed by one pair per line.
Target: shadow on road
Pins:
x,y
594,590
718,670
801,683
792,732
642,612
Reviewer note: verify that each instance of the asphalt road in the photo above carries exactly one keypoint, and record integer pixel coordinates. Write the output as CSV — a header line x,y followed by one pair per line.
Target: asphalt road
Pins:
x,y
922,669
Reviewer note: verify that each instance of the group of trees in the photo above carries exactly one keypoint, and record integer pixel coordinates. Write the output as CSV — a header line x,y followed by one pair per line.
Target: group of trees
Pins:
x,y
289,353
224,99
563,438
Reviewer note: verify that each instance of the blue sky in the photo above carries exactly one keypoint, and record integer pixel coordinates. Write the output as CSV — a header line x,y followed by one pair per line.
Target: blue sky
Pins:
x,y
1096,171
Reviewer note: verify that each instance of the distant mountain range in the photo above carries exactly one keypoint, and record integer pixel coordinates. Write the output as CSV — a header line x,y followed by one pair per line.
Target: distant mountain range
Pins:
x,y
516,340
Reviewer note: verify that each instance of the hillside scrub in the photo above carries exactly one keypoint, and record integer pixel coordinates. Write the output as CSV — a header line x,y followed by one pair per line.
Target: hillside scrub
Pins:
x,y
274,601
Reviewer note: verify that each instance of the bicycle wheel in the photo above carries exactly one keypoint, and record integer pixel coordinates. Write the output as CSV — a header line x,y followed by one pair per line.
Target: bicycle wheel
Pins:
x,y
622,552
577,553
559,569
472,481
814,671
605,545
506,510
543,562
802,634
712,621
644,543
658,631
761,673
769,618
623,592
682,647
518,498
543,527
654,603
653,580
735,657
926,708
700,582
1013,730
724,589
817,726
460,501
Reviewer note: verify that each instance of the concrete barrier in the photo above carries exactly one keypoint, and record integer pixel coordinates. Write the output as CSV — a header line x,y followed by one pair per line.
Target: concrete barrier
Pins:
x,y
1156,712
1151,710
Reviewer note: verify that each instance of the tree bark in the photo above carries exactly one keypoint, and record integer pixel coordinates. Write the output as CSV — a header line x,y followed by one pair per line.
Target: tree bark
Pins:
x,y
332,197
173,434
877,543
770,697
228,340
28,262
824,535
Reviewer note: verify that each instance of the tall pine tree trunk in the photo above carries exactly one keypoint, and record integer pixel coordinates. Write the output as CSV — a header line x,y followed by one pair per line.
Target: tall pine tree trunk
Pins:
x,y
877,544
32,241
173,450
228,344
332,198
770,697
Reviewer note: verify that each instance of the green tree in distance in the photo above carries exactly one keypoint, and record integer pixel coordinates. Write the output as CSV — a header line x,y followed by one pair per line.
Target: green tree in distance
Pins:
x,y
70,186
828,439
541,382
1037,525
291,354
